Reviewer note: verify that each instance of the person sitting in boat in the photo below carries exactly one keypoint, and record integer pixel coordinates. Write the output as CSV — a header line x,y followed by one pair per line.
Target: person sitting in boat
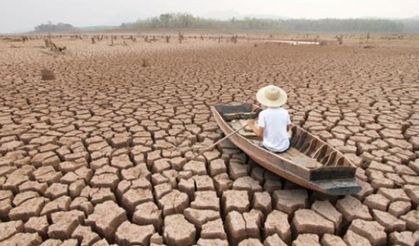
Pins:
x,y
273,121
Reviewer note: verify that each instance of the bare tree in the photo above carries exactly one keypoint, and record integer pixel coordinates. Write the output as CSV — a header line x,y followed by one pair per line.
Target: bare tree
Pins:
x,y
234,39
180,37
339,38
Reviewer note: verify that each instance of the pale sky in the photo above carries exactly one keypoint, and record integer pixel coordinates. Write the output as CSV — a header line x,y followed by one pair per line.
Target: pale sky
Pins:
x,y
23,15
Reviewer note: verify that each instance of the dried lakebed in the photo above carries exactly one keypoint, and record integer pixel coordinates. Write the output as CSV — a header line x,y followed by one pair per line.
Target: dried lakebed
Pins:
x,y
100,155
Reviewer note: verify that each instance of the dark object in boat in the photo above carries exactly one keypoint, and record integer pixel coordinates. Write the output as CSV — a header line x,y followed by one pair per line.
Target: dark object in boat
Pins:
x,y
310,162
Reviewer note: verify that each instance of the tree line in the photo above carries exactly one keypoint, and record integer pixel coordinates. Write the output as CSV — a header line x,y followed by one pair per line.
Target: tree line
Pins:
x,y
187,21
59,27
184,21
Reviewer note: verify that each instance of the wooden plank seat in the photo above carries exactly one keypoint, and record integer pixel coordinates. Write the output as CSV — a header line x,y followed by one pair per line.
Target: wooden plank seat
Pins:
x,y
295,156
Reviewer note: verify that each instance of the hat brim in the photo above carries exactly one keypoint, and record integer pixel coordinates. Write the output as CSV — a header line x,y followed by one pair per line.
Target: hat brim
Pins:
x,y
260,97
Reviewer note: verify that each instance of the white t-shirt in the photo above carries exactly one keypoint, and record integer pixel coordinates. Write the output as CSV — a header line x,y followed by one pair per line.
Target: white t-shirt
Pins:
x,y
275,122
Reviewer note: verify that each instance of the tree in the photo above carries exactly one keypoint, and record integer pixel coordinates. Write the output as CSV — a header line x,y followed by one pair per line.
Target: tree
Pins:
x,y
59,27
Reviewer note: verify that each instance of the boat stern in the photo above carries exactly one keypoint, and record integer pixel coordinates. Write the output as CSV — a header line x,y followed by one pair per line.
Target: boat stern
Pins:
x,y
337,187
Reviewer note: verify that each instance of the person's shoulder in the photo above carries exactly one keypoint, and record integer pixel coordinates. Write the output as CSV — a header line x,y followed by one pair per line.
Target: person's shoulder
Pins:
x,y
263,112
284,110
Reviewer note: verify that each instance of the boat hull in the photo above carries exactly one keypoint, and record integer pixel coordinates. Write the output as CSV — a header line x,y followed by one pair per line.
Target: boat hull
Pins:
x,y
288,170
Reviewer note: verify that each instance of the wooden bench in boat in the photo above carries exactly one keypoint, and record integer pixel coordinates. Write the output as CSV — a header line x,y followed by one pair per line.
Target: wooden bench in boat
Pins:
x,y
246,132
300,159
236,116
296,157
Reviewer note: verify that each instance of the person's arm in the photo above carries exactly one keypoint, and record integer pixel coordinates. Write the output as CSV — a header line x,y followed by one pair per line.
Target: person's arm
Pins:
x,y
257,130
258,125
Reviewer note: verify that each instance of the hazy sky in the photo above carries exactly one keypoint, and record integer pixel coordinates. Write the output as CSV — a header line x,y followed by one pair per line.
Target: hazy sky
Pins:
x,y
23,15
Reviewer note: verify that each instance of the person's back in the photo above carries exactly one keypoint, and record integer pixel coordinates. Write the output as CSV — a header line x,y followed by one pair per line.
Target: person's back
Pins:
x,y
275,121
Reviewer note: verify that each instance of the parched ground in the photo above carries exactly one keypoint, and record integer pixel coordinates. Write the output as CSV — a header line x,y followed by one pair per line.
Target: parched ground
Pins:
x,y
100,155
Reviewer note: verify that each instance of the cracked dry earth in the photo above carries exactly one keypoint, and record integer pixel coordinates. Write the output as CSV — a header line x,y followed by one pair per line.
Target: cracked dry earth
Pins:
x,y
89,158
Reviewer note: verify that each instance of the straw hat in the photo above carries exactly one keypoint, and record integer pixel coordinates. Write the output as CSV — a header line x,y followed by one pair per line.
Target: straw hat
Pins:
x,y
271,96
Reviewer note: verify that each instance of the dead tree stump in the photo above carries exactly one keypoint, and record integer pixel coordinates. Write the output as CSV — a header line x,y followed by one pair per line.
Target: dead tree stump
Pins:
x,y
47,74
144,63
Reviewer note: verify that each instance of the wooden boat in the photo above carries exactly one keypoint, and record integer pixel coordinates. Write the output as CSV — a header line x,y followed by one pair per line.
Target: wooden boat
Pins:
x,y
310,162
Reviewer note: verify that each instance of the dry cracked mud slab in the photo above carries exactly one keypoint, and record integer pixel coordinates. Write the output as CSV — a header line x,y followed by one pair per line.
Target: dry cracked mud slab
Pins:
x,y
178,231
106,218
102,154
